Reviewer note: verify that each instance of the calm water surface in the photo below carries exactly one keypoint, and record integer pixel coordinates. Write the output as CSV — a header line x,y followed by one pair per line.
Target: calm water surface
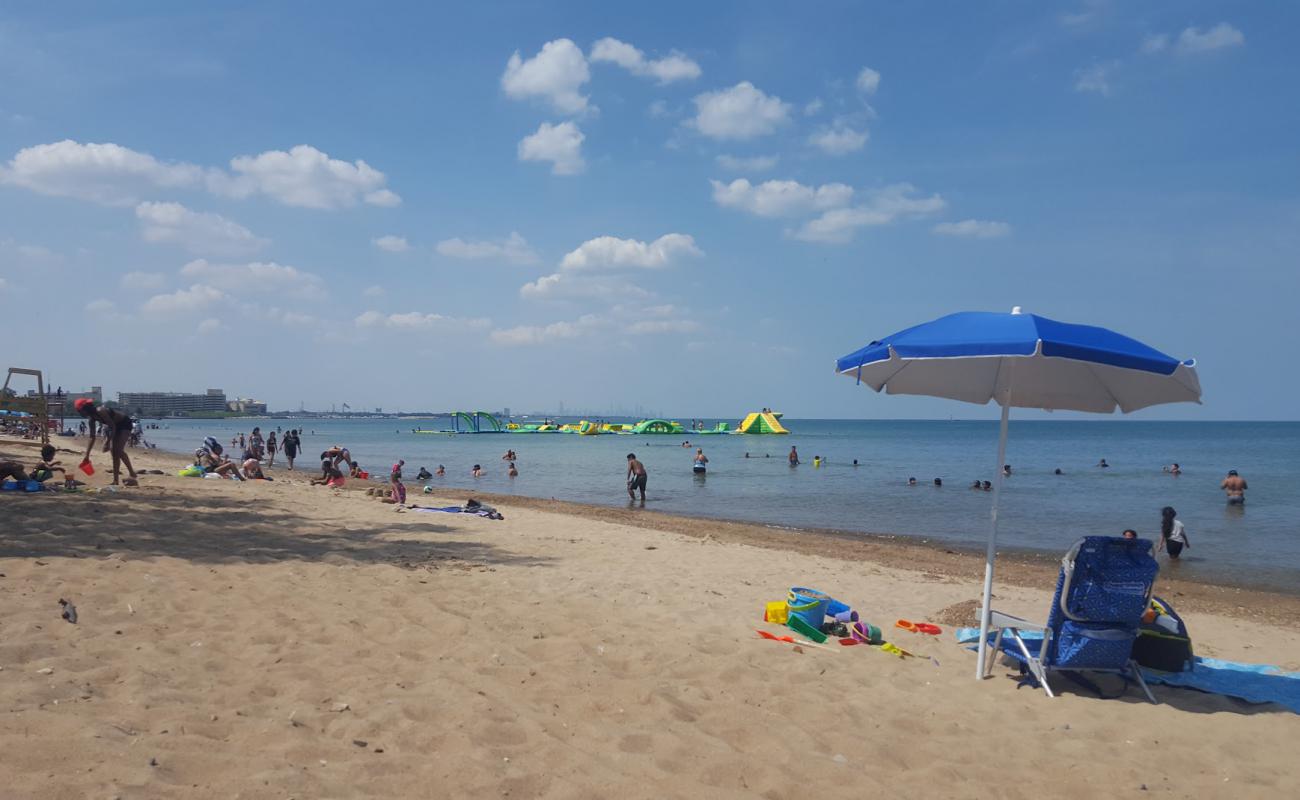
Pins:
x,y
1041,511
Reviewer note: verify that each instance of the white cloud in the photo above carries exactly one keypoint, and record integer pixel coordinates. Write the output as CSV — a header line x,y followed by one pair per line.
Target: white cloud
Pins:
x,y
883,207
118,176
209,325
255,277
195,298
304,177
560,144
672,67
646,326
1096,78
838,140
541,334
143,281
813,108
741,112
608,252
556,74
36,252
198,232
658,108
373,291
101,173
1193,40
101,306
513,249
973,228
868,81
780,198
391,244
414,321
1155,43
619,319
746,164
565,286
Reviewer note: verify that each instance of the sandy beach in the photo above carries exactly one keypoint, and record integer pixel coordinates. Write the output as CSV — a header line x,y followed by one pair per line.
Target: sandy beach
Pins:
x,y
280,640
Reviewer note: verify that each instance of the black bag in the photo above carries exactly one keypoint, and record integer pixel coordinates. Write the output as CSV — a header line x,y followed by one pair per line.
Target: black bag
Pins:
x,y
1163,643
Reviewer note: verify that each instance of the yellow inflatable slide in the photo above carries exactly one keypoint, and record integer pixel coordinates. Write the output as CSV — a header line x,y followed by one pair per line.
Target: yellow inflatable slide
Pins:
x,y
761,422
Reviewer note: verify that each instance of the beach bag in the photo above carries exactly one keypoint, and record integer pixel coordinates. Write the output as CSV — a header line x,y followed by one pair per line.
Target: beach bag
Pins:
x,y
1163,642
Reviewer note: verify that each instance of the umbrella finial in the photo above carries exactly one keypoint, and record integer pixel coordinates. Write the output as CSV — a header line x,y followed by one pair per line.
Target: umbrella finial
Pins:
x,y
1015,309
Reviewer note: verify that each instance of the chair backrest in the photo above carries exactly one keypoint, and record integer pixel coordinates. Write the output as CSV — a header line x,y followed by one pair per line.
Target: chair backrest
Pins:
x,y
1104,587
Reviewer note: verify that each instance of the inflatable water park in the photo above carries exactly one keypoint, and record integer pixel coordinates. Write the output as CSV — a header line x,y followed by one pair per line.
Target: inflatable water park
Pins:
x,y
766,422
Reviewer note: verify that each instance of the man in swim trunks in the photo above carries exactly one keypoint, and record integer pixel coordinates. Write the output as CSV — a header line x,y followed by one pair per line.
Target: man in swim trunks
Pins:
x,y
794,457
1235,486
636,477
117,427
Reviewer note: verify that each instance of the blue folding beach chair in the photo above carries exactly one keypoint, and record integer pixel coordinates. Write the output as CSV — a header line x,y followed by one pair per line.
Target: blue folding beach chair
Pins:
x,y
1104,588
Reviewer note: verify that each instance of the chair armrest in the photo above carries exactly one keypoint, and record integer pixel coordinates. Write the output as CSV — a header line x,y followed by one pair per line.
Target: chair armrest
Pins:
x,y
999,620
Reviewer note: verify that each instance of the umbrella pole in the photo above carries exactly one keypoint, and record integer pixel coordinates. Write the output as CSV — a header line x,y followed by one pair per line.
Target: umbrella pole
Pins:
x,y
990,554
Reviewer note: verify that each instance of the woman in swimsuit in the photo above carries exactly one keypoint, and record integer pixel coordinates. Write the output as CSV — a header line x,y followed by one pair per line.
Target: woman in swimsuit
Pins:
x,y
118,429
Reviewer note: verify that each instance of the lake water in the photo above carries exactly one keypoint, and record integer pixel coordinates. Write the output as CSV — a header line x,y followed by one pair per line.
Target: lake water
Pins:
x,y
1041,511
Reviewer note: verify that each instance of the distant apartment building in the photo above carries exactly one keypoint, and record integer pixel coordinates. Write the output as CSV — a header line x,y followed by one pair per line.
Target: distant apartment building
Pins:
x,y
246,405
171,404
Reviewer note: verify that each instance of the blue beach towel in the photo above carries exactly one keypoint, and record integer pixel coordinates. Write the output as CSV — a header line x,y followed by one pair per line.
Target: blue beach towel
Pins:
x,y
1254,683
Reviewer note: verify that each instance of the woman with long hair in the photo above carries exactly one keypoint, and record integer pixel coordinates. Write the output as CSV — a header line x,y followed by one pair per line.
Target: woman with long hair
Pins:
x,y
117,427
1173,537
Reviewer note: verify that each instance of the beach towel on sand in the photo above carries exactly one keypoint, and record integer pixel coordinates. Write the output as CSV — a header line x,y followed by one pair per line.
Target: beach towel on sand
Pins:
x,y
1254,683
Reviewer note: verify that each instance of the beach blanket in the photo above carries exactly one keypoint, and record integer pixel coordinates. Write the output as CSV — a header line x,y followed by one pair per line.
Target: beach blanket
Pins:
x,y
1254,683
444,510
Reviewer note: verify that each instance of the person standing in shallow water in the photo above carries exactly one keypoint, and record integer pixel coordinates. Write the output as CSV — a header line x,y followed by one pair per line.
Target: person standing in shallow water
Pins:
x,y
1235,486
636,477
1173,537
794,457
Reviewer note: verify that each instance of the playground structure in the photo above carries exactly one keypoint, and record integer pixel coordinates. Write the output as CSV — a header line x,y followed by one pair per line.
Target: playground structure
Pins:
x,y
658,426
762,422
36,408
474,422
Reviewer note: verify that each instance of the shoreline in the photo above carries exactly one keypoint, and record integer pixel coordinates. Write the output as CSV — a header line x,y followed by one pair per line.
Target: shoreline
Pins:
x,y
934,559
240,639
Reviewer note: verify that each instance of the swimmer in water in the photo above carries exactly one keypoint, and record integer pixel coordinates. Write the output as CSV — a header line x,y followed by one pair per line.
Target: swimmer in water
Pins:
x,y
701,461
1235,486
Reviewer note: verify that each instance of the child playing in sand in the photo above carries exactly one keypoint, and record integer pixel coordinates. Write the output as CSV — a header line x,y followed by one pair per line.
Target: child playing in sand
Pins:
x,y
399,488
48,465
330,474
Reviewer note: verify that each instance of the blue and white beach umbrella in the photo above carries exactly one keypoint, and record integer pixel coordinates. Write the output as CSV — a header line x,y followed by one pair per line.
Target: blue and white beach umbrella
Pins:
x,y
1023,361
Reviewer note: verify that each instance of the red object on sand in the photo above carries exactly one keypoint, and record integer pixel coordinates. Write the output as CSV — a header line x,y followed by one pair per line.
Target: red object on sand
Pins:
x,y
87,467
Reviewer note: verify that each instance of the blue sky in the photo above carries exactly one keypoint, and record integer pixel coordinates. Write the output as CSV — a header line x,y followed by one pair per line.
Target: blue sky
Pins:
x,y
693,207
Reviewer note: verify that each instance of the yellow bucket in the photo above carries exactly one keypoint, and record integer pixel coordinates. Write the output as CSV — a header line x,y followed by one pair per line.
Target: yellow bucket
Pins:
x,y
777,612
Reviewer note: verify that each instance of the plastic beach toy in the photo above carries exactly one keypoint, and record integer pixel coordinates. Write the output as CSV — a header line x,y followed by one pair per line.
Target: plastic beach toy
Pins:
x,y
865,632
846,616
86,467
777,612
798,625
918,627
809,605
788,640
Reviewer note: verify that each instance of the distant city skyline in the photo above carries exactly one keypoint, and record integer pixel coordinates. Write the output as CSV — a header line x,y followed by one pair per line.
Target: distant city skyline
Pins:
x,y
694,208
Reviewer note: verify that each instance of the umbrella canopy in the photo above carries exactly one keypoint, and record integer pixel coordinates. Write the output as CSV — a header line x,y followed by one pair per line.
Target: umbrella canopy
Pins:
x,y
1023,361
